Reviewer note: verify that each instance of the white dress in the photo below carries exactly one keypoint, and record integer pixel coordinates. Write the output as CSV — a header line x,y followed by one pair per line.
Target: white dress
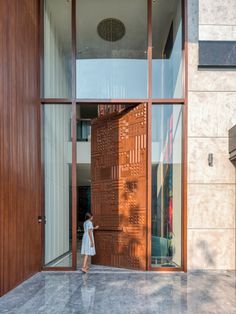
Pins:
x,y
86,248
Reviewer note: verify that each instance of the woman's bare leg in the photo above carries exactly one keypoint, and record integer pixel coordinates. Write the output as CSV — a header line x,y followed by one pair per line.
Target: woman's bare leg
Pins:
x,y
87,265
85,262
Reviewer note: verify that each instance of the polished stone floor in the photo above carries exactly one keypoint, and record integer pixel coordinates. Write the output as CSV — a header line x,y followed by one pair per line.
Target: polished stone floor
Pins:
x,y
119,291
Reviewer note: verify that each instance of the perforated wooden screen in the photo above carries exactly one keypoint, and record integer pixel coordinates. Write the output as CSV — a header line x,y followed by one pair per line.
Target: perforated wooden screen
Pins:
x,y
118,163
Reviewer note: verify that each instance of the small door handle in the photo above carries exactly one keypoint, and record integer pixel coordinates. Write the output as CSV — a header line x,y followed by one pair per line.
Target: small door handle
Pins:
x,y
42,219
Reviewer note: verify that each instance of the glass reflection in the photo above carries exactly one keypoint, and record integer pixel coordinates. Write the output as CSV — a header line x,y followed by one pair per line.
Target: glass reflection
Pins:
x,y
167,49
166,185
111,49
88,293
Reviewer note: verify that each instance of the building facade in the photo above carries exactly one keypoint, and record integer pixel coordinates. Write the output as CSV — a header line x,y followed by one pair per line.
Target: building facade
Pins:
x,y
211,113
121,108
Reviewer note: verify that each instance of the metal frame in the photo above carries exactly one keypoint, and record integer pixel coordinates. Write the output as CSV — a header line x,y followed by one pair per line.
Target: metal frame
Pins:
x,y
150,101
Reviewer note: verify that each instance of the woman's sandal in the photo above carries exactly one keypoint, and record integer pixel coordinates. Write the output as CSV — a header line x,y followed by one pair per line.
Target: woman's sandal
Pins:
x,y
84,270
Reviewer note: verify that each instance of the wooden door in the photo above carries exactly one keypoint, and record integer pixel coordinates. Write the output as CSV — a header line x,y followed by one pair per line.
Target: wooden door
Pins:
x,y
118,186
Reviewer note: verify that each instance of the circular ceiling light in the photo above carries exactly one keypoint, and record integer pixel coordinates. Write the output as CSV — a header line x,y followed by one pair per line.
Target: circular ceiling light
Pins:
x,y
111,29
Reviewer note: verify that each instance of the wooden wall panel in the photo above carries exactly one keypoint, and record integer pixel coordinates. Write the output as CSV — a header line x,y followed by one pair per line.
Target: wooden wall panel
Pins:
x,y
20,169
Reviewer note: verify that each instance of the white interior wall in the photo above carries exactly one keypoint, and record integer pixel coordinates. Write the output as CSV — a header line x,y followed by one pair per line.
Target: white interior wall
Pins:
x,y
83,153
56,134
56,64
56,131
111,78
127,78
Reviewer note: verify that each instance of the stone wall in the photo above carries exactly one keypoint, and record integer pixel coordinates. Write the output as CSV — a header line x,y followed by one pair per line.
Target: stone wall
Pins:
x,y
211,113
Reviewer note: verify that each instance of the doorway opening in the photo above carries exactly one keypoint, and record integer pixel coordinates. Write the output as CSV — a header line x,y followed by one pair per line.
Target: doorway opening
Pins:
x,y
110,175
111,182
85,114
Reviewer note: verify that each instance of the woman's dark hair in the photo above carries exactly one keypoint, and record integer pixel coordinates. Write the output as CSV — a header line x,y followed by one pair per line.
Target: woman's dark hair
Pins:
x,y
88,216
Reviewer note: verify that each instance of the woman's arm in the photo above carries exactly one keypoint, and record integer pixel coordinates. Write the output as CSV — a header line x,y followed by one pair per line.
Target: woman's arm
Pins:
x,y
90,232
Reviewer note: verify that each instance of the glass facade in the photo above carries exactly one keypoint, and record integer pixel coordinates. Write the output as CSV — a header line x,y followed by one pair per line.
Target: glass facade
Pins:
x,y
167,62
166,185
57,49
57,182
111,54
111,59
111,63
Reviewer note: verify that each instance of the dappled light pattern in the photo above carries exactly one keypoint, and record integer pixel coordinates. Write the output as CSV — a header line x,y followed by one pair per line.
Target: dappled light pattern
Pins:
x,y
118,184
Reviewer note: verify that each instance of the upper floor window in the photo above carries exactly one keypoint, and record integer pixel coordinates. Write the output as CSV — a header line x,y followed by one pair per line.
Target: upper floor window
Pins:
x,y
112,49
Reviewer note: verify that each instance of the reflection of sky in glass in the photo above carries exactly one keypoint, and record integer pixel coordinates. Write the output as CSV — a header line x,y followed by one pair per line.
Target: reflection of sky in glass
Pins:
x,y
165,117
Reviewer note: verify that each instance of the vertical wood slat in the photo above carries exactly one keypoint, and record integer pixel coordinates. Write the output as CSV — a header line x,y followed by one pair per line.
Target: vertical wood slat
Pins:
x,y
4,133
20,233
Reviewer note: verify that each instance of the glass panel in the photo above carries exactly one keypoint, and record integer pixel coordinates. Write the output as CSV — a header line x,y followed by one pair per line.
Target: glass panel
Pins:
x,y
167,49
166,185
57,49
111,49
57,180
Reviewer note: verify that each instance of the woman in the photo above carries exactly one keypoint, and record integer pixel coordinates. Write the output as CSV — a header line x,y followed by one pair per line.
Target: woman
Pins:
x,y
88,245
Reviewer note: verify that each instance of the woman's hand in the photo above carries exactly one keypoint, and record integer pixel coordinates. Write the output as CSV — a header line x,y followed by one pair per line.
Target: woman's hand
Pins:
x,y
95,228
92,244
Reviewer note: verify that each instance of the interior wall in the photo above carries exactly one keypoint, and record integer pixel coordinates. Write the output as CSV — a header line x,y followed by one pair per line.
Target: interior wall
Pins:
x,y
20,172
111,78
56,137
56,174
57,74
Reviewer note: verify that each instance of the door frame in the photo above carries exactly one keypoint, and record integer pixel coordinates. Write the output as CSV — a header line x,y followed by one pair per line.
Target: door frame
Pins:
x,y
149,100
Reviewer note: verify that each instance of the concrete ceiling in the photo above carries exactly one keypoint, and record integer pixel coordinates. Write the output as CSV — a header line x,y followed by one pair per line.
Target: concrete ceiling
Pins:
x,y
133,13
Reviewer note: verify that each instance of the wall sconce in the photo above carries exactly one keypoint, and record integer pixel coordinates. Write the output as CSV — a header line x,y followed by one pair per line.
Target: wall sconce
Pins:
x,y
210,160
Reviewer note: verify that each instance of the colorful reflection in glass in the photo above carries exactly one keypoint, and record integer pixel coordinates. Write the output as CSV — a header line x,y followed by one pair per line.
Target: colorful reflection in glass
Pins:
x,y
166,185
